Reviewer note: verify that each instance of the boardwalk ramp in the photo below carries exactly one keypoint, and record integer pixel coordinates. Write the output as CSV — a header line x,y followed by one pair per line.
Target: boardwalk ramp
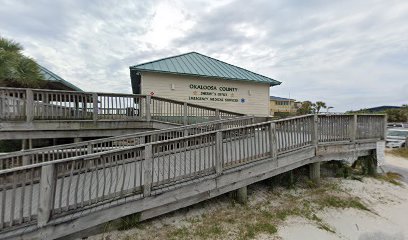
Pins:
x,y
51,193
39,113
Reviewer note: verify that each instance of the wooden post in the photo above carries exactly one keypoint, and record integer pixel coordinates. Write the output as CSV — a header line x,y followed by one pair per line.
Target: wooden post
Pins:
x,y
3,101
148,114
290,179
89,148
30,143
142,140
85,107
218,152
273,141
185,132
242,195
76,105
46,201
95,106
148,174
353,132
385,127
314,172
185,117
221,126
24,143
217,114
26,159
29,105
315,133
286,179
27,144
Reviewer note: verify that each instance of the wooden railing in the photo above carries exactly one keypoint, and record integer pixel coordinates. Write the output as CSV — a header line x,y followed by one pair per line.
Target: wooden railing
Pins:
x,y
31,156
336,128
369,126
12,104
295,132
40,192
39,104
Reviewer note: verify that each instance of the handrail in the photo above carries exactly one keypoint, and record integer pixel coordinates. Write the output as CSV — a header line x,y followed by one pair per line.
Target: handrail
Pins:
x,y
92,155
291,118
72,184
125,136
30,156
35,104
99,154
156,132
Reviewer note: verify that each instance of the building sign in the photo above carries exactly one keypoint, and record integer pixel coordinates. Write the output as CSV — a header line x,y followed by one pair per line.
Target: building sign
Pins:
x,y
213,93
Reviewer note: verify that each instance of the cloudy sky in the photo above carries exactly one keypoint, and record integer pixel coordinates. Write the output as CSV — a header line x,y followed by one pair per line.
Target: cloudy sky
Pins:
x,y
350,54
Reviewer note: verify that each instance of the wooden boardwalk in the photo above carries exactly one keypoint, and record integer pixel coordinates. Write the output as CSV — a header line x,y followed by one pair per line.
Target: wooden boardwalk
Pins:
x,y
57,191
39,113
40,199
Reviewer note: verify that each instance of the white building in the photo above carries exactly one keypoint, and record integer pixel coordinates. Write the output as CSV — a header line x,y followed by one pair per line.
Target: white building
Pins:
x,y
203,80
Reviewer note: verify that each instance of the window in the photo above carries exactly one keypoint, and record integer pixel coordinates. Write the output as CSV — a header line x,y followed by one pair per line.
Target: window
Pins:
x,y
282,103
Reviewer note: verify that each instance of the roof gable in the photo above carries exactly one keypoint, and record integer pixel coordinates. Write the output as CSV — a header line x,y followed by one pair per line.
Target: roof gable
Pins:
x,y
280,98
52,77
196,64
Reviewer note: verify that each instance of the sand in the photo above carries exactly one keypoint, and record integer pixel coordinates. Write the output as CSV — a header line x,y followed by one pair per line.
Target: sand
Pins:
x,y
389,203
387,220
395,160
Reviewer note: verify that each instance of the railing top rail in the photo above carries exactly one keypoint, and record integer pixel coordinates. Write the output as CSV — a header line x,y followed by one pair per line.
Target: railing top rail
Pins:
x,y
96,155
12,89
83,143
326,114
99,154
171,100
79,144
351,114
88,156
371,114
118,94
292,118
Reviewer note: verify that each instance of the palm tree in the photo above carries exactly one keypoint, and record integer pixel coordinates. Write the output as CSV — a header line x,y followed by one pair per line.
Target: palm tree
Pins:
x,y
305,108
319,105
17,70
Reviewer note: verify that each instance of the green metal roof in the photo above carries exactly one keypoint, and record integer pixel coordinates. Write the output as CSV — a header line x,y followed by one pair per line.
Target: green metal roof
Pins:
x,y
280,98
52,77
196,64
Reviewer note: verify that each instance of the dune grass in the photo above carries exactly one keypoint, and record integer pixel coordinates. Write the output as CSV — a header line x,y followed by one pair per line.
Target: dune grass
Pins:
x,y
278,203
247,221
400,152
391,177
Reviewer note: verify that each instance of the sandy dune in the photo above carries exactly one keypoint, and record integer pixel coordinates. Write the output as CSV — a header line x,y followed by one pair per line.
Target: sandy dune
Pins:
x,y
388,219
389,203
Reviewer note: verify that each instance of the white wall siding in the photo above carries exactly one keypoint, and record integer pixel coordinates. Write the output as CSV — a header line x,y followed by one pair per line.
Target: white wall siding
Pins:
x,y
252,98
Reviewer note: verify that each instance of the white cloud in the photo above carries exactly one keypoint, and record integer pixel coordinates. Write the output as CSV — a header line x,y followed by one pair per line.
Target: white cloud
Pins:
x,y
351,54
